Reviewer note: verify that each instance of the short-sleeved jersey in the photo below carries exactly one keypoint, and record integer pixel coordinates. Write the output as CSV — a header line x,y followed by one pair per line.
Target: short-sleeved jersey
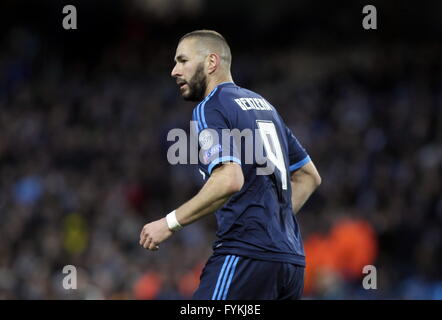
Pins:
x,y
258,221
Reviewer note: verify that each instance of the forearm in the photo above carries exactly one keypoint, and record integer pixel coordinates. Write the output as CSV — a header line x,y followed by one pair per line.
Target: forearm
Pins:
x,y
202,204
304,182
212,196
301,192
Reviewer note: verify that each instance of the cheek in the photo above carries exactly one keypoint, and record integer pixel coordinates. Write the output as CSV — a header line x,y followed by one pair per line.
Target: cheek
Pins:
x,y
190,70
185,72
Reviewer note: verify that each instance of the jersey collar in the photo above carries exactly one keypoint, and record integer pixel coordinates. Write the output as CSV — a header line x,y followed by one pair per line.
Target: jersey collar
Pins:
x,y
214,89
223,83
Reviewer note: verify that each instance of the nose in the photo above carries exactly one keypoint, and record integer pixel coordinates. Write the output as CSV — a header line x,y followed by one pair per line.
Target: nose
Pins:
x,y
175,72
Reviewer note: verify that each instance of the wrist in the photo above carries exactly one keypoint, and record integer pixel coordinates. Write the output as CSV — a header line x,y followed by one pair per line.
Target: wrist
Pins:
x,y
172,222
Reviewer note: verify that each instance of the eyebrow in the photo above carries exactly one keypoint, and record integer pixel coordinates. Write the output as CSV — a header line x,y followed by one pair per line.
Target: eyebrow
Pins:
x,y
180,57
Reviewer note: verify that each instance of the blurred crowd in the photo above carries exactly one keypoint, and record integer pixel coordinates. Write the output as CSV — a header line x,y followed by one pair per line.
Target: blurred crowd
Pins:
x,y
83,167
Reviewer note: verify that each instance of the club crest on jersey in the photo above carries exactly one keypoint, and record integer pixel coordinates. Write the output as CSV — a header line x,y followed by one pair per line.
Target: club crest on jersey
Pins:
x,y
212,151
206,139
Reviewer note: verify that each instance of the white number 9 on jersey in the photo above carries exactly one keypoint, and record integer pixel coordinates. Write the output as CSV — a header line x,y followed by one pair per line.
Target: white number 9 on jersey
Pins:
x,y
269,137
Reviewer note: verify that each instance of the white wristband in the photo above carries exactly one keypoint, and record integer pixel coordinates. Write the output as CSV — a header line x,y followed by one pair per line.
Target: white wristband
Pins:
x,y
172,222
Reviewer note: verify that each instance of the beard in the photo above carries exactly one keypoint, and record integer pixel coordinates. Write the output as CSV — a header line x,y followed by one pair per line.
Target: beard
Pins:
x,y
197,85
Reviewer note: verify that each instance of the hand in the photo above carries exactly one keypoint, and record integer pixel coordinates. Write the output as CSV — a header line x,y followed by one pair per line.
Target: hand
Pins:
x,y
154,233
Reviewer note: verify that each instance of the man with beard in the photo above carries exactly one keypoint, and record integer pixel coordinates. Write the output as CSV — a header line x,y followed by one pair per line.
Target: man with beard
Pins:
x,y
258,253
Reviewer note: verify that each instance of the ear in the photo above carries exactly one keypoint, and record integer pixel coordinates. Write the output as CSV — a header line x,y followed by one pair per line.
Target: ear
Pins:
x,y
213,62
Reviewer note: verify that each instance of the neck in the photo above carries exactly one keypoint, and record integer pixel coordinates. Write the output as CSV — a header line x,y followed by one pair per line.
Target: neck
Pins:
x,y
213,82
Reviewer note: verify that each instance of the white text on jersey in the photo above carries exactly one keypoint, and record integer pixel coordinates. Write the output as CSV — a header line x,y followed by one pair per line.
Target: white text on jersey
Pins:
x,y
253,104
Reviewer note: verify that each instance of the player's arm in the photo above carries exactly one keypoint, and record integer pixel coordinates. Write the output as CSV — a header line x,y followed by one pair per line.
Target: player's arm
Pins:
x,y
224,181
304,182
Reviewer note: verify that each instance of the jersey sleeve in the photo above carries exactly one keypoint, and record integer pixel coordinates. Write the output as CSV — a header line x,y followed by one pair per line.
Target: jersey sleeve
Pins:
x,y
214,145
298,156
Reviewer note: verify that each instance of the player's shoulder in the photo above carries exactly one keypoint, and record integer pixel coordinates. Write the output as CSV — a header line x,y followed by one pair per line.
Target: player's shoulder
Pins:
x,y
224,93
227,94
212,108
220,99
228,99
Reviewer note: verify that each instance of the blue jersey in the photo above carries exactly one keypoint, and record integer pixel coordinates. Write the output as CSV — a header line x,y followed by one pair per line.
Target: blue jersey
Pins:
x,y
258,221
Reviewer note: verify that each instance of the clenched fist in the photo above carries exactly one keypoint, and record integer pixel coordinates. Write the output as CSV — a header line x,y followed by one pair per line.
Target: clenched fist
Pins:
x,y
154,233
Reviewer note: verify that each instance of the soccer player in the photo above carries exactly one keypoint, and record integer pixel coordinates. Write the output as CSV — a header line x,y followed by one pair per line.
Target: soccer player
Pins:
x,y
258,253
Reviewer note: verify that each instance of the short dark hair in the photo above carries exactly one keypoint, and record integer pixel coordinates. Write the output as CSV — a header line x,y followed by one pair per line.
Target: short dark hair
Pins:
x,y
205,34
213,36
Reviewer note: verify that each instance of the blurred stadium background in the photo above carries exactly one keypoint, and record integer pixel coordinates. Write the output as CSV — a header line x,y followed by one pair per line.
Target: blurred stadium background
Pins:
x,y
84,116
